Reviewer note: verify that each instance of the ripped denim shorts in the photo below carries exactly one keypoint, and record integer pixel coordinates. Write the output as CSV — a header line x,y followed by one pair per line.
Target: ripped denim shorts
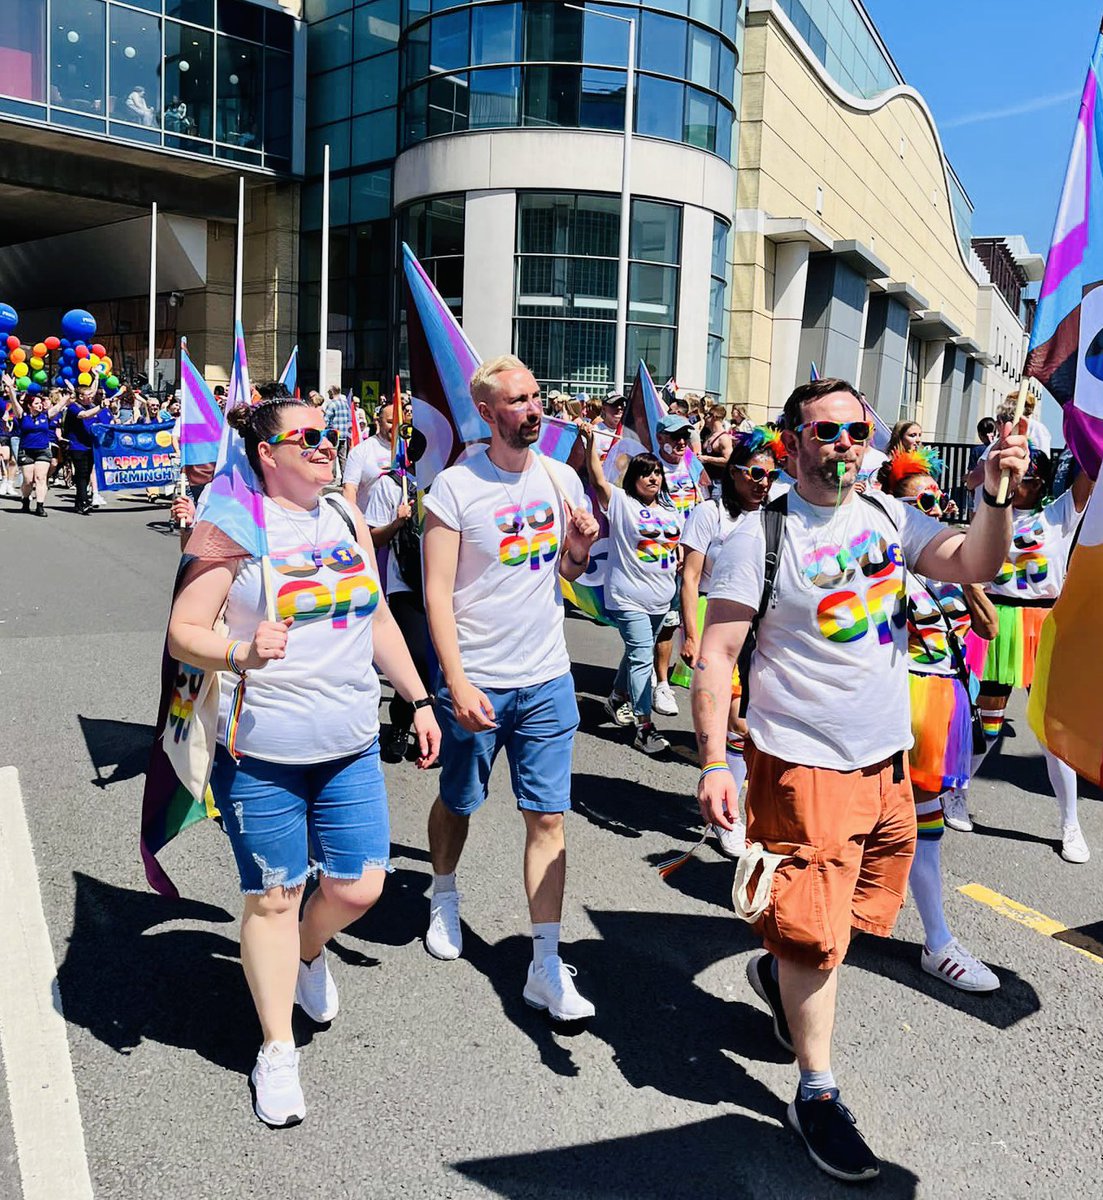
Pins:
x,y
288,821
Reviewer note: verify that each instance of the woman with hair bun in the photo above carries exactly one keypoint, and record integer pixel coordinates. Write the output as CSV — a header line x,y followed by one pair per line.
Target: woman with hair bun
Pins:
x,y
296,774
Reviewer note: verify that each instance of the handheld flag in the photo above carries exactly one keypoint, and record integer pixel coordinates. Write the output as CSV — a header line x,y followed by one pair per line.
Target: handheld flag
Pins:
x,y
290,374
356,434
200,421
1065,340
814,374
643,411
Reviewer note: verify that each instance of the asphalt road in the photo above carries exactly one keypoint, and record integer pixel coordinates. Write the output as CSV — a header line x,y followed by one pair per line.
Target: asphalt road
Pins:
x,y
436,1080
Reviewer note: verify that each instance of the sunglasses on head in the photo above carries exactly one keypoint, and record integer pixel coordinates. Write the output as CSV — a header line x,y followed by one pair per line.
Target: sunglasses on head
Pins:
x,y
830,431
759,474
310,438
926,501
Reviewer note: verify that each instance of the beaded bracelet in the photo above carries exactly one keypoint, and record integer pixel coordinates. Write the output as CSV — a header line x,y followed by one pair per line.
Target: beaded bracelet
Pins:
x,y
231,661
708,768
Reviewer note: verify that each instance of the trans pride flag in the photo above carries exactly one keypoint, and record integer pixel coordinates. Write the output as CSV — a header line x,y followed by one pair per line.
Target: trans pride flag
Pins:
x,y
290,376
200,421
1066,342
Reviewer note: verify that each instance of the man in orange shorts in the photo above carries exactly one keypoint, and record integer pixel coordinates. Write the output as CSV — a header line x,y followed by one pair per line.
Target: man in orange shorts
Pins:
x,y
828,796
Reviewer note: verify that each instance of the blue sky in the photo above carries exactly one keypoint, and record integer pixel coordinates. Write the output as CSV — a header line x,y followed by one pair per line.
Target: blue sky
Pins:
x,y
1003,79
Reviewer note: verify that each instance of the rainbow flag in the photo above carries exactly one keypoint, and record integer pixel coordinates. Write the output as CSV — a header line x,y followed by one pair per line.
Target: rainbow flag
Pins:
x,y
230,520
200,418
1066,341
289,377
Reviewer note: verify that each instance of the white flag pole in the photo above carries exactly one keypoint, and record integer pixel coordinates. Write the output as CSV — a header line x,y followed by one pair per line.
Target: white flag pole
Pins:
x,y
323,315
151,349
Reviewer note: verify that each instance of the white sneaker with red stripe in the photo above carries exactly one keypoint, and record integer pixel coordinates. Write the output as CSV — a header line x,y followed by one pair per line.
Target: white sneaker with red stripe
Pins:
x,y
953,964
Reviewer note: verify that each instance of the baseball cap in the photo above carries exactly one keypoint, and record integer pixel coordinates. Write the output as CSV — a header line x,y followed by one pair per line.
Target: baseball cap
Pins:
x,y
613,398
673,423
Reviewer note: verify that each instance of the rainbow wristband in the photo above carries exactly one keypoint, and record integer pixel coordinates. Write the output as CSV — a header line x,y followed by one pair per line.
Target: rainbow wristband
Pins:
x,y
231,661
708,768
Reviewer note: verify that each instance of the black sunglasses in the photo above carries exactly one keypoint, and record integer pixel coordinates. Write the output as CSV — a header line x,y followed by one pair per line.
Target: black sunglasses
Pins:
x,y
830,431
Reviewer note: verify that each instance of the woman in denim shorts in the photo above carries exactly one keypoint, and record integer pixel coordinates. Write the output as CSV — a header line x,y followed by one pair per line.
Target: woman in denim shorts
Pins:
x,y
296,774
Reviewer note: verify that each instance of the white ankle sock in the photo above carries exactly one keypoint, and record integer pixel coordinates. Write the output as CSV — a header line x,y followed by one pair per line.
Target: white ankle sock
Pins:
x,y
1062,778
925,881
737,764
545,941
444,883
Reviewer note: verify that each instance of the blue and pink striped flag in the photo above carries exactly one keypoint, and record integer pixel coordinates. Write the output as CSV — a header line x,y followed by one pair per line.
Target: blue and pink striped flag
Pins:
x,y
290,375
200,417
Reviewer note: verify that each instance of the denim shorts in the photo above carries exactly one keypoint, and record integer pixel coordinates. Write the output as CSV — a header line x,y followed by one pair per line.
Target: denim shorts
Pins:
x,y
288,821
536,726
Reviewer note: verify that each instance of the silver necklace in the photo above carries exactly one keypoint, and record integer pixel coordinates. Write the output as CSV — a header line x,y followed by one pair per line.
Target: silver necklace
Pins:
x,y
519,502
315,553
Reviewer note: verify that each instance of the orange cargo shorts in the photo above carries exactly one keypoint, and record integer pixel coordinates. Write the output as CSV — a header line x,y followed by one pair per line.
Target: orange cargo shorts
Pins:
x,y
850,838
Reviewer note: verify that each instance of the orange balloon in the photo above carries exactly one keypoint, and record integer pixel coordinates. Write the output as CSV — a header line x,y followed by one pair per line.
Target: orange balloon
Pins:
x,y
84,364
18,355
40,349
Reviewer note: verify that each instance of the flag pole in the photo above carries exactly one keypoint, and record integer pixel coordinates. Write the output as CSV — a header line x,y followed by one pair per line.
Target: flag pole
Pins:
x,y
323,315
1020,404
239,263
151,349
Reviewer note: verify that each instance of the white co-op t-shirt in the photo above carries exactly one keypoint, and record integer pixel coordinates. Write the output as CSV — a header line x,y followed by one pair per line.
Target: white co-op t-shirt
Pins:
x,y
707,529
643,544
365,463
829,680
383,500
1037,559
507,601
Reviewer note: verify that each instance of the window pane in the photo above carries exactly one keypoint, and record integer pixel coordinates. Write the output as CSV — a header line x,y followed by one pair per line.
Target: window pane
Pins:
x,y
655,231
724,121
135,46
553,33
241,19
76,53
240,93
373,137
726,85
707,11
329,43
551,96
603,40
23,51
596,226
659,108
655,346
374,83
542,223
652,293
337,138
448,42
199,12
371,196
417,54
328,97
543,287
376,28
415,115
415,9
714,366
716,306
189,80
444,235
602,104
278,85
730,18
700,119
720,247
494,97
676,6
704,59
496,34
279,31
448,100
663,45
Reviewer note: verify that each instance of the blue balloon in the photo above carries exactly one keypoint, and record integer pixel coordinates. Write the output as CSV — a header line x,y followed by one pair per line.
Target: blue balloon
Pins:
x,y
65,343
78,324
69,355
68,372
34,388
9,318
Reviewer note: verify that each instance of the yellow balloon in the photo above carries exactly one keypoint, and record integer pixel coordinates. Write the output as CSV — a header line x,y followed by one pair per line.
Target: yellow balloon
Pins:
x,y
19,370
36,363
94,360
84,379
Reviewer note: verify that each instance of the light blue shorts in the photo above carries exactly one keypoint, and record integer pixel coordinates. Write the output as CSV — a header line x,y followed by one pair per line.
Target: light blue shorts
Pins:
x,y
536,725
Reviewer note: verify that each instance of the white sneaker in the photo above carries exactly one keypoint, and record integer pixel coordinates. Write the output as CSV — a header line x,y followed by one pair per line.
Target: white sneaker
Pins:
x,y
619,709
98,501
650,740
444,938
955,811
315,991
5,488
552,987
278,1095
953,964
733,842
1074,848
662,700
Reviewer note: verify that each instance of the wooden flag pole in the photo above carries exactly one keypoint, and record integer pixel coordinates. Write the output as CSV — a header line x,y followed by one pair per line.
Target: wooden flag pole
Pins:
x,y
269,587
1020,404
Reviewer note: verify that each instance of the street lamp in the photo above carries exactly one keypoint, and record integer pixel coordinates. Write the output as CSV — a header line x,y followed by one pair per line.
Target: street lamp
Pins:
x,y
621,346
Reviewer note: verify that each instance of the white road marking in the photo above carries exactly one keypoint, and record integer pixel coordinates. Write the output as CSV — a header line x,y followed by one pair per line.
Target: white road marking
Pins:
x,y
45,1113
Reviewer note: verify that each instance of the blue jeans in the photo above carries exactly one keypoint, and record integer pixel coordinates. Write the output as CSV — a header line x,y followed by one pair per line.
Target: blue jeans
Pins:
x,y
638,631
536,726
287,821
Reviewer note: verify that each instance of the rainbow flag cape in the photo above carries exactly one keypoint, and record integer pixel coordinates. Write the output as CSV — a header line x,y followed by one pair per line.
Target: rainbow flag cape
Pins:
x,y
289,376
200,417
230,520
1066,341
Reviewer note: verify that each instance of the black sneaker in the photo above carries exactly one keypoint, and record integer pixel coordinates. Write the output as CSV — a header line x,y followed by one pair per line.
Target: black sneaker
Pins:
x,y
761,978
831,1135
393,744
26,504
40,510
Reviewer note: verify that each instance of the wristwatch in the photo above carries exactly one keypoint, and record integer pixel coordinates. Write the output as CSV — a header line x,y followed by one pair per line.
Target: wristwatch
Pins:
x,y
991,500
424,702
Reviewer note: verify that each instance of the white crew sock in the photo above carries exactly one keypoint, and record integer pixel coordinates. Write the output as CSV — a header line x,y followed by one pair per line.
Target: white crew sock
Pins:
x,y
737,764
925,881
444,883
545,941
1062,778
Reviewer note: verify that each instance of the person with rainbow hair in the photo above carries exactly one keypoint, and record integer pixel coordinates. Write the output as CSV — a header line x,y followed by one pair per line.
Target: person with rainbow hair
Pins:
x,y
941,688
745,482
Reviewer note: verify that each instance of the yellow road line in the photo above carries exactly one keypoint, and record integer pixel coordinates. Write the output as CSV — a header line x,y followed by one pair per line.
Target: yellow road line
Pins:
x,y
1035,920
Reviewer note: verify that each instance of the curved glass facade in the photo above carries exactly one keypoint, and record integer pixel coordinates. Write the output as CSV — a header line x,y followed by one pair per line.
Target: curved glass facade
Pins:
x,y
539,63
210,77
838,36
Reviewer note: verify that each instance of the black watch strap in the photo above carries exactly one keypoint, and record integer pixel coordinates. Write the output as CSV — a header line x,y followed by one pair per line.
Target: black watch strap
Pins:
x,y
424,702
992,502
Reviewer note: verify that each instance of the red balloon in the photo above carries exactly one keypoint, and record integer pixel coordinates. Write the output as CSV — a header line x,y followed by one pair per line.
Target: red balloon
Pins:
x,y
98,349
82,351
52,343
13,342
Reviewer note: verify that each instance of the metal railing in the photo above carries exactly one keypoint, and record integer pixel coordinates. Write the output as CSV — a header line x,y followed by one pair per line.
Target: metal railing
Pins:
x,y
955,466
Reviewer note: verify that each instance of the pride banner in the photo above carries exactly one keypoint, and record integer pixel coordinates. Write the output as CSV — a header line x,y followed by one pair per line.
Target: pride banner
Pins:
x,y
130,457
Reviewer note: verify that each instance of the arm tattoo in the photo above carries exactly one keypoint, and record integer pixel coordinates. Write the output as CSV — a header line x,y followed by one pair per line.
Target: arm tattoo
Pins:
x,y
702,664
